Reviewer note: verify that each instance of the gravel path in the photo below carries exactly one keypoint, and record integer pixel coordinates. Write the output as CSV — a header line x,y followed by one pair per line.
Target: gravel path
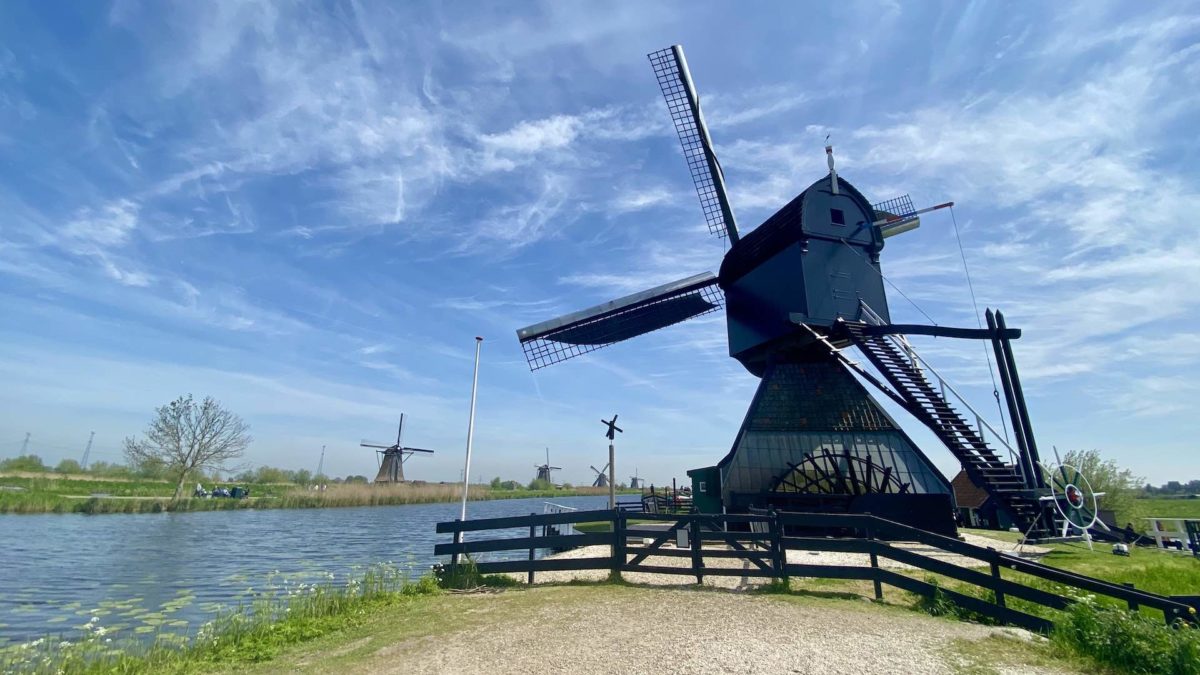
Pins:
x,y
645,630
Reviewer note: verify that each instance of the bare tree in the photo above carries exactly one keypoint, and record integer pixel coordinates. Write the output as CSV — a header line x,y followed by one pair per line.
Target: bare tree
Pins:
x,y
186,436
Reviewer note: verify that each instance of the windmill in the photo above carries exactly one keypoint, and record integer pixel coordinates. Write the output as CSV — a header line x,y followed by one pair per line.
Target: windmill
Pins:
x,y
391,469
798,290
635,483
601,476
543,470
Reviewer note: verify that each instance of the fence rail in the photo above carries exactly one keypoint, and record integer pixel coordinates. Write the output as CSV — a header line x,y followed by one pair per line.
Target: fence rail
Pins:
x,y
762,541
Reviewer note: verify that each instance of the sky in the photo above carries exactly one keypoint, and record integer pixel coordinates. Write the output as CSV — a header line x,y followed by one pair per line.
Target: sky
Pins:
x,y
308,210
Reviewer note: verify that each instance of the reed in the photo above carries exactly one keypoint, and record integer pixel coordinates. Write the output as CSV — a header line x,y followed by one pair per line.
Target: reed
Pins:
x,y
411,493
52,498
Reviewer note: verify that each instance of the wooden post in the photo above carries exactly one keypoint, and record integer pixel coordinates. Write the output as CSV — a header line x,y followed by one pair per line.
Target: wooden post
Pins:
x,y
697,553
618,545
1133,604
996,576
532,534
454,556
778,552
874,557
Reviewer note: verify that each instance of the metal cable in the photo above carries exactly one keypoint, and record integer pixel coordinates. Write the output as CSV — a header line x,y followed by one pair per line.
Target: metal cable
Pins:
x,y
979,322
890,283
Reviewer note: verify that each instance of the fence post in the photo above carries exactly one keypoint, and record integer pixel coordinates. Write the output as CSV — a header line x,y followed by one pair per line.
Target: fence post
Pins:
x,y
778,552
1133,603
996,577
874,558
618,545
532,534
454,556
697,554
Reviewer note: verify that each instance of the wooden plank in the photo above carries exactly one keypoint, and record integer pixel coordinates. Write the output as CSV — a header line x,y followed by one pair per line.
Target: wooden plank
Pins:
x,y
524,521
882,526
752,555
665,552
830,571
848,520
741,537
745,555
842,545
551,541
1169,607
544,565
673,517
1005,614
658,543
999,585
708,571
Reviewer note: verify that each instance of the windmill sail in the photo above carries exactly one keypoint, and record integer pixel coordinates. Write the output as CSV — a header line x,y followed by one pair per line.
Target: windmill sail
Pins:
x,y
670,68
556,340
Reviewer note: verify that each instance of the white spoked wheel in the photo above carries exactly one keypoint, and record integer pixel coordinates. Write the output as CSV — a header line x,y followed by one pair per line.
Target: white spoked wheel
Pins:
x,y
1074,498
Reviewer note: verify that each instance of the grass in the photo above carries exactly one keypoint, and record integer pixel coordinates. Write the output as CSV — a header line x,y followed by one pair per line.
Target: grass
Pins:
x,y
1157,507
55,493
606,526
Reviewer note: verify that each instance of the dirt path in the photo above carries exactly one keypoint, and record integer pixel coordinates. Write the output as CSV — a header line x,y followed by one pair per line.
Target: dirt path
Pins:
x,y
613,629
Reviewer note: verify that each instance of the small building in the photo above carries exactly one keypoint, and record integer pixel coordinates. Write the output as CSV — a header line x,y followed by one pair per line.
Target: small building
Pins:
x,y
976,508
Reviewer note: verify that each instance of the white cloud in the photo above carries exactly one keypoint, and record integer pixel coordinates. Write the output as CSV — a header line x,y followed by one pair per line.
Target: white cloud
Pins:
x,y
110,226
535,136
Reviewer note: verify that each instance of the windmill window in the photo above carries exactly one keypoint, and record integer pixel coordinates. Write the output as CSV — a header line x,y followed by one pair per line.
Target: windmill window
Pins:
x,y
837,216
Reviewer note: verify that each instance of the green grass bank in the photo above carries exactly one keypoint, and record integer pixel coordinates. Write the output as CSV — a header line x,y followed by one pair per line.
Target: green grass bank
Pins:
x,y
53,493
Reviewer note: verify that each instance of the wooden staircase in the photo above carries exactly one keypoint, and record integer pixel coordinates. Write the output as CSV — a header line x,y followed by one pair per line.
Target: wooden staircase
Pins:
x,y
1003,481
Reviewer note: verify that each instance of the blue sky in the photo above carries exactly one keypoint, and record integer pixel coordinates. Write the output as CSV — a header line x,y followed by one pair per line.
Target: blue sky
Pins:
x,y
309,210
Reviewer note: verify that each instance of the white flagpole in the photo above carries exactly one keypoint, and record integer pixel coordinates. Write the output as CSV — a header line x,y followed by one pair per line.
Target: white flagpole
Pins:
x,y
470,430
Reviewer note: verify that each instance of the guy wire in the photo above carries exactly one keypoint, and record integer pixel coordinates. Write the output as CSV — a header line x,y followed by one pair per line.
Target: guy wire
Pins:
x,y
987,355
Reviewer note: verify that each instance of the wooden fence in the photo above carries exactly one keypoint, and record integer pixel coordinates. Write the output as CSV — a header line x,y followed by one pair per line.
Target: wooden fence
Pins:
x,y
763,540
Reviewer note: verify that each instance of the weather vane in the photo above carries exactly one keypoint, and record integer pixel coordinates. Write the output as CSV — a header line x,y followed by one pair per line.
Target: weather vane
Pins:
x,y
611,434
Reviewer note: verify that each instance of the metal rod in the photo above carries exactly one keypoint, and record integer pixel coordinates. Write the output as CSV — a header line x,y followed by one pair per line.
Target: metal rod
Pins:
x,y
906,216
470,430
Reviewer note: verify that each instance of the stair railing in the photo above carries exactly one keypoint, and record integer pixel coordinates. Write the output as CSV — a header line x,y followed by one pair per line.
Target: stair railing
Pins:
x,y
919,363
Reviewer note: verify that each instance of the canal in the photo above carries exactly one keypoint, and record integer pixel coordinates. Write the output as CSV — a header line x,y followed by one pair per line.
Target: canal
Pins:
x,y
139,575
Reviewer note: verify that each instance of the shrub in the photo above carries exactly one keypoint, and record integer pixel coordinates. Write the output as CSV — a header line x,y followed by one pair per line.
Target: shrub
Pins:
x,y
23,463
1129,641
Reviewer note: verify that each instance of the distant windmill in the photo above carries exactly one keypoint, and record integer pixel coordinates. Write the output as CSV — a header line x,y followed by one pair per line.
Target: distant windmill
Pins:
x,y
601,476
635,483
543,470
391,469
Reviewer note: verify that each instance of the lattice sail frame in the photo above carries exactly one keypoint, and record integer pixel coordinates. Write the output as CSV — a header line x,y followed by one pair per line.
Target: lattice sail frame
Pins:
x,y
901,206
543,350
684,105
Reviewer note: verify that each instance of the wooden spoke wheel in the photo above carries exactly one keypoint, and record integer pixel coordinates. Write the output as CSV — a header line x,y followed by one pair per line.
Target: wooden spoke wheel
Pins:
x,y
839,473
